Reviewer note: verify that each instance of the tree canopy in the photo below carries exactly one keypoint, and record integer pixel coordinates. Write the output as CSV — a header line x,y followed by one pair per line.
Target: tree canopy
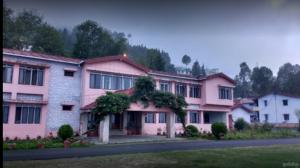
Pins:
x,y
186,60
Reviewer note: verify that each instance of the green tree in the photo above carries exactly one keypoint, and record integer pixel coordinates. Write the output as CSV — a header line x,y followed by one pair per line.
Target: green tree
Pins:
x,y
111,103
243,82
93,41
144,88
48,40
8,26
186,60
26,27
202,71
154,60
262,80
196,69
288,78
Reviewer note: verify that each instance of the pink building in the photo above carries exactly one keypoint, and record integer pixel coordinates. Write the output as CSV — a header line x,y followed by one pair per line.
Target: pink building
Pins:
x,y
209,98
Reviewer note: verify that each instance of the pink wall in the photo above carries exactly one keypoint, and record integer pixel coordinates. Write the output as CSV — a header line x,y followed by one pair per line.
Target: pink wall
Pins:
x,y
13,130
152,128
211,95
89,95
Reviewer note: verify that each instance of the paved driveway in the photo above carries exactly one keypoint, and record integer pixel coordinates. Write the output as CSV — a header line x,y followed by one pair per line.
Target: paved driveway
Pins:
x,y
101,150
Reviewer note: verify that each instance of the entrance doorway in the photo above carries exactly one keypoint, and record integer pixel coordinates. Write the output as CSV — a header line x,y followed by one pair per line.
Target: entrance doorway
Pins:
x,y
134,124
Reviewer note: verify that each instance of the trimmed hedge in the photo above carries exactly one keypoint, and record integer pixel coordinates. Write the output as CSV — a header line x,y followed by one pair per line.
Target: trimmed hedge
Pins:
x,y
65,132
218,129
191,131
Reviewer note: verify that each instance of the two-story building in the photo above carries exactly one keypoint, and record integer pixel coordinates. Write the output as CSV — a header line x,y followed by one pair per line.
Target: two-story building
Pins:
x,y
279,109
42,92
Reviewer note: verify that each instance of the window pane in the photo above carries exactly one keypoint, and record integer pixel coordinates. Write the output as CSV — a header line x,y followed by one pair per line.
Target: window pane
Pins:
x,y
34,77
7,73
126,83
37,115
24,114
40,78
114,85
92,80
18,115
27,77
106,82
98,81
119,83
5,113
162,117
21,76
30,115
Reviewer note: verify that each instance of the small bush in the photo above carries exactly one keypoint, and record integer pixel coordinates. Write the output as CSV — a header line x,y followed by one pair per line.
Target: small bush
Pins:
x,y
65,132
191,131
218,129
266,127
240,124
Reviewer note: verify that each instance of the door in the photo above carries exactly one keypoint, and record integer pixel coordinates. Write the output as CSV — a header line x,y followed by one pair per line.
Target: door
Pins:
x,y
134,123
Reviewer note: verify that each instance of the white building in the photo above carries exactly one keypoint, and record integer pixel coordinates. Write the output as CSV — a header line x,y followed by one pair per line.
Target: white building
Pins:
x,y
278,109
245,109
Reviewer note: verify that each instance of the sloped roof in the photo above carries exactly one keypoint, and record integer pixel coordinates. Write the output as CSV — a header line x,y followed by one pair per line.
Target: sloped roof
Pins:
x,y
31,54
116,58
280,94
216,75
242,107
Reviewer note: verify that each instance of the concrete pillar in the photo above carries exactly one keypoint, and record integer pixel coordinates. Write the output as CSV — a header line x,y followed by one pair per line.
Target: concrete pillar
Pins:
x,y
104,130
125,121
201,117
143,116
170,125
83,123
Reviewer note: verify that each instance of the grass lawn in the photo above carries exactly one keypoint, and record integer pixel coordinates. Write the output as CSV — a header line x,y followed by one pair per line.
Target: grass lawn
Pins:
x,y
275,156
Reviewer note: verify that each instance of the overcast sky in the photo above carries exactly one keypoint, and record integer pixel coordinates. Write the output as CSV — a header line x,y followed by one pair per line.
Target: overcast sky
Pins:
x,y
219,34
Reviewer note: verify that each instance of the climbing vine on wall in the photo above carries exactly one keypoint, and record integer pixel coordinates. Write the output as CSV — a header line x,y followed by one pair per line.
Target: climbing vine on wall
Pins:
x,y
144,92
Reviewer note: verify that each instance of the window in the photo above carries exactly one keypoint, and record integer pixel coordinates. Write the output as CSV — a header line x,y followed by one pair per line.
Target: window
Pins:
x,y
266,117
69,73
28,114
7,73
266,103
110,81
67,107
165,87
194,117
180,89
206,118
162,117
31,76
6,96
150,118
5,110
286,117
225,93
29,97
195,91
177,119
285,102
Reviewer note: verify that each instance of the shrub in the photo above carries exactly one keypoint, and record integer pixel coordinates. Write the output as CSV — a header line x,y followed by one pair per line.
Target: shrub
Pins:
x,y
218,129
191,131
266,127
65,132
241,124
